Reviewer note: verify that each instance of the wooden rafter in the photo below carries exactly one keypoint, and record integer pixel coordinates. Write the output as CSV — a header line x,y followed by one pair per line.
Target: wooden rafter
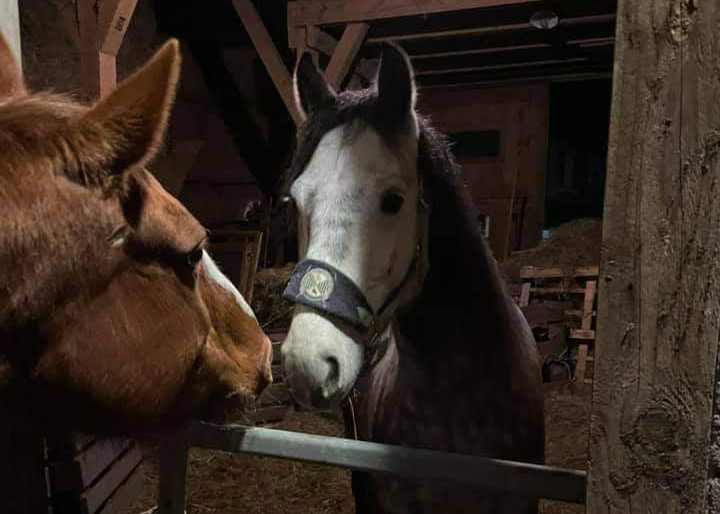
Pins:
x,y
478,31
115,19
318,39
321,12
345,52
101,32
268,53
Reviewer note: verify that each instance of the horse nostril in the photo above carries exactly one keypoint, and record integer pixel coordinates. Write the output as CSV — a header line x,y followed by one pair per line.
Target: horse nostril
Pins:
x,y
333,375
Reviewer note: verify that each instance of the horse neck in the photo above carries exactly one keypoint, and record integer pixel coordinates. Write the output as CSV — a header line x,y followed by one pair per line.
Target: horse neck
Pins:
x,y
462,315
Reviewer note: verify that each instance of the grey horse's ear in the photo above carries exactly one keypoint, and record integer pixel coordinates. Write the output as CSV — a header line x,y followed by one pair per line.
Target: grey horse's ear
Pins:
x,y
396,86
312,92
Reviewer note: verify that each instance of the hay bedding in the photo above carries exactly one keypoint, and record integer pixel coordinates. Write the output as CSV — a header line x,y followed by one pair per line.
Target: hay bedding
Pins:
x,y
572,244
221,483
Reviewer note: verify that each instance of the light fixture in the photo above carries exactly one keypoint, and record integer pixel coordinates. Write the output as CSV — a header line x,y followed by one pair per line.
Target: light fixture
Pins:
x,y
544,20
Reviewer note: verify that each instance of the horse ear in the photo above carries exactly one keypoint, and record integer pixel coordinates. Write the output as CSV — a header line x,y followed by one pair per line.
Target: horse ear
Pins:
x,y
395,85
311,90
11,80
133,116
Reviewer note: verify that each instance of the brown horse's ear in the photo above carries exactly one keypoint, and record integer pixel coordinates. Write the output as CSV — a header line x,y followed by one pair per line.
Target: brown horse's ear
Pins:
x,y
132,118
11,81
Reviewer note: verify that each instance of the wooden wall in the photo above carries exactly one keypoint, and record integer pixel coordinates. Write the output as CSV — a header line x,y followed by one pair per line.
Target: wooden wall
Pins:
x,y
520,113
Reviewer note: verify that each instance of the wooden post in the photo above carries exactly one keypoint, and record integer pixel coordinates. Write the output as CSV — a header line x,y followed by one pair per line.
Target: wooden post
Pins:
x,y
268,53
659,299
102,27
345,52
173,471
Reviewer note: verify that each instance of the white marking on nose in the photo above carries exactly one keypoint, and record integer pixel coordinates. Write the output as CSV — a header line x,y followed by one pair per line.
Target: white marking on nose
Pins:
x,y
220,279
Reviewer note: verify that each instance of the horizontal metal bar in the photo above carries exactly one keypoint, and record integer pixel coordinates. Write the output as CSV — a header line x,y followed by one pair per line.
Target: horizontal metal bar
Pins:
x,y
512,477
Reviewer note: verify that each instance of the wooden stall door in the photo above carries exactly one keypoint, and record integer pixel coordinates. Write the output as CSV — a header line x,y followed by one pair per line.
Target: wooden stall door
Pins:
x,y
509,187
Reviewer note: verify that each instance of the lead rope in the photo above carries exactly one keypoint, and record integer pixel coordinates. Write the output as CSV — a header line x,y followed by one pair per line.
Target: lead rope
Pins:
x,y
352,412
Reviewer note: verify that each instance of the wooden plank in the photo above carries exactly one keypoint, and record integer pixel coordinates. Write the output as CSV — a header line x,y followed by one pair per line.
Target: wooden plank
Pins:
x,y
322,12
513,477
588,303
124,495
269,54
10,28
659,301
557,290
525,294
535,272
173,473
581,363
578,333
121,469
76,474
345,53
270,414
115,19
475,31
321,41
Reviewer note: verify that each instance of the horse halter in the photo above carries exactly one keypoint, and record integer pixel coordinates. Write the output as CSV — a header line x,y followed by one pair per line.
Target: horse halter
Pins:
x,y
328,291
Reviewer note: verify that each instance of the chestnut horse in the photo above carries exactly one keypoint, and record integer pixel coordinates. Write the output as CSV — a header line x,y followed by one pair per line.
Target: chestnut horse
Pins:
x,y
113,317
399,296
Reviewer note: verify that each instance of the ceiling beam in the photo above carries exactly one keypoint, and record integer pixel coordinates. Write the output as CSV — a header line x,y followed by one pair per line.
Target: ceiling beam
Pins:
x,y
318,39
269,54
115,16
321,12
498,29
345,53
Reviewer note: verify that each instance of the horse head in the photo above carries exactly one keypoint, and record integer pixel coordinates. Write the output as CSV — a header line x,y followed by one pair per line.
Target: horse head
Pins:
x,y
361,225
109,300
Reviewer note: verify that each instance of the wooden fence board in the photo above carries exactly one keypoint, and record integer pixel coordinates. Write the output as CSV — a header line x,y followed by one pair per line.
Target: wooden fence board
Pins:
x,y
97,494
76,474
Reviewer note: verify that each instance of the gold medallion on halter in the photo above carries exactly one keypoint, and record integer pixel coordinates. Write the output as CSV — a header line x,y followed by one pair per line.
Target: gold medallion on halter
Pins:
x,y
317,284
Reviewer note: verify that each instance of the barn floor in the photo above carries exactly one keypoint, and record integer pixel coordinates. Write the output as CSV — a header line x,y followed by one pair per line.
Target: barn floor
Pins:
x,y
222,483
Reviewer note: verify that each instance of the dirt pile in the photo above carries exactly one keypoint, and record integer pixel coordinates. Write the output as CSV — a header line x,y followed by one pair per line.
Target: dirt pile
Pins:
x,y
572,244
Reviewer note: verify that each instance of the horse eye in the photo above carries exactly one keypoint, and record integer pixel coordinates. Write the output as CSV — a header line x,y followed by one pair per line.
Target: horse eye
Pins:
x,y
391,203
195,256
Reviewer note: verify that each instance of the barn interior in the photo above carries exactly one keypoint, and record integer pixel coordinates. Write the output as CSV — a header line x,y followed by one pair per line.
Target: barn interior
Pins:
x,y
523,90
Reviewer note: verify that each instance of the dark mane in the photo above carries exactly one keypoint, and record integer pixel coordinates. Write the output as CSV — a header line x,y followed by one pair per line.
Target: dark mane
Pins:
x,y
463,286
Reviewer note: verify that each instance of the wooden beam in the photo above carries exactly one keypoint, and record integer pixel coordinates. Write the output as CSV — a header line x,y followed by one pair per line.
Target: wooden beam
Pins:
x,y
269,54
321,12
478,31
102,28
10,28
345,53
115,16
652,424
319,40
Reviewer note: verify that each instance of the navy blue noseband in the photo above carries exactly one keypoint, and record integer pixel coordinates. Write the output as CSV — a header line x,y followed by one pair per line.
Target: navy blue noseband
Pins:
x,y
324,288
